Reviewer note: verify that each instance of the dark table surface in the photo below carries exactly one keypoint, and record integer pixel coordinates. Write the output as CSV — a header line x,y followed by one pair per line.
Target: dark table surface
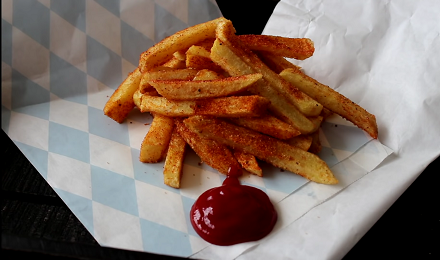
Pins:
x,y
36,222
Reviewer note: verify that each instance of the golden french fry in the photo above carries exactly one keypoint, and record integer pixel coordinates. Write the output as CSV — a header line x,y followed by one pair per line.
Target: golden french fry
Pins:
x,y
172,170
214,154
202,89
235,106
198,50
269,125
248,162
279,105
301,141
163,51
333,100
316,120
297,48
226,34
170,74
275,63
156,141
206,74
266,148
121,101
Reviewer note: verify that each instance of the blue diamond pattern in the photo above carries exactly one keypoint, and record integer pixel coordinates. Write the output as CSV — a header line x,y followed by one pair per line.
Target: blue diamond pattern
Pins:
x,y
114,190
6,42
73,11
133,43
166,240
67,81
111,5
166,23
82,207
151,173
33,19
69,142
103,64
28,97
196,17
103,126
36,156
279,180
187,205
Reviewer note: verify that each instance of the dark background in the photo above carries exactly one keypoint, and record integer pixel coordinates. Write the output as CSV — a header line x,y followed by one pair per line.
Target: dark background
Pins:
x,y
36,222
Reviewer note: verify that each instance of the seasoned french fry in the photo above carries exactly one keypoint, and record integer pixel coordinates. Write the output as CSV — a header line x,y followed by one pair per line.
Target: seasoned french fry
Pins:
x,y
226,34
248,162
207,75
172,170
333,100
297,48
213,153
156,141
235,106
301,141
198,50
275,63
164,73
163,51
263,147
315,146
316,120
202,89
279,105
269,125
121,101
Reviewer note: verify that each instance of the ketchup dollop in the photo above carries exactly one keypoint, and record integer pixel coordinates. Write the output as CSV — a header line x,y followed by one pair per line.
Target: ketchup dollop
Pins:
x,y
233,213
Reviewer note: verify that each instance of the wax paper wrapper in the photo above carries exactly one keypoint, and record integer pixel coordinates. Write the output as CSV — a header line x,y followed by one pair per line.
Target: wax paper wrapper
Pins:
x,y
61,60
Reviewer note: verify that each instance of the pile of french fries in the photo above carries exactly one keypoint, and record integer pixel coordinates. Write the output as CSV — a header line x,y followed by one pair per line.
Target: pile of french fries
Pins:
x,y
234,99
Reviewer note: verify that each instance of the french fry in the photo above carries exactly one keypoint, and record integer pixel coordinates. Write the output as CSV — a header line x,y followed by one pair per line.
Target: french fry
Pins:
x,y
202,89
248,162
316,120
279,105
164,73
235,106
163,51
333,100
315,146
301,141
206,74
297,48
226,34
266,148
121,101
275,63
156,141
198,57
213,153
172,170
269,125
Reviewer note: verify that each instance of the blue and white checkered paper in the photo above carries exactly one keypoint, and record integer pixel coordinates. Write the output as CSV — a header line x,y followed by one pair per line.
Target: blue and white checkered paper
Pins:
x,y
61,60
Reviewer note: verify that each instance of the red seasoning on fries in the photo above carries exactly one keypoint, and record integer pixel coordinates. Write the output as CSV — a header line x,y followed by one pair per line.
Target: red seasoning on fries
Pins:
x,y
234,100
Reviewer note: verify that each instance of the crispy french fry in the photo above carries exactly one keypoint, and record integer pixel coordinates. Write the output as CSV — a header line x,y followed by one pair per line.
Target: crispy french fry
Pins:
x,y
226,34
263,147
164,73
202,89
156,141
315,146
163,51
333,100
301,141
248,162
121,101
279,105
269,125
236,106
297,48
213,153
198,50
275,63
316,120
207,43
207,75
172,170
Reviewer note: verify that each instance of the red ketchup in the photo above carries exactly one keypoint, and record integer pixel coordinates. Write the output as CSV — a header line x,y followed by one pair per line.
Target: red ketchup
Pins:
x,y
233,213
